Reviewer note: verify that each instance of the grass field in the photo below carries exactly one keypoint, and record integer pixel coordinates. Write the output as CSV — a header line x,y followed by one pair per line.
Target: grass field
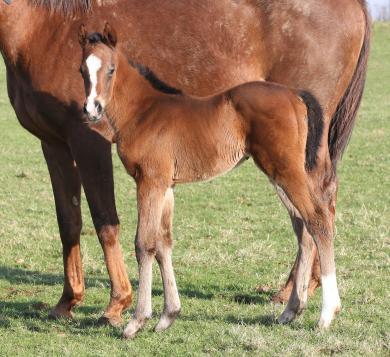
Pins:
x,y
231,235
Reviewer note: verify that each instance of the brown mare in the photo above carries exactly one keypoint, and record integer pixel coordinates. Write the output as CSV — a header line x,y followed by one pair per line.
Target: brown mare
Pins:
x,y
197,139
201,47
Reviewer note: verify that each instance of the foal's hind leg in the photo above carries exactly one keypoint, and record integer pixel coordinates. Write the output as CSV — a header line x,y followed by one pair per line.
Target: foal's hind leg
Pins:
x,y
317,218
164,258
283,295
150,200
298,297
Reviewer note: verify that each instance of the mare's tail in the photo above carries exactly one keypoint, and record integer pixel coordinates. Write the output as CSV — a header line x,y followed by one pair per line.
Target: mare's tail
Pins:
x,y
344,118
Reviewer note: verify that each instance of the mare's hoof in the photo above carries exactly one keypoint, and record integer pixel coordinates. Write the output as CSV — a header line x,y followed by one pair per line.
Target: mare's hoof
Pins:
x,y
114,321
279,298
327,317
287,316
60,313
282,296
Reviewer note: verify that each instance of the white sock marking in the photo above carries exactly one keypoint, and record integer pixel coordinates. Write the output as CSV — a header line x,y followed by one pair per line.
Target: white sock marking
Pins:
x,y
330,298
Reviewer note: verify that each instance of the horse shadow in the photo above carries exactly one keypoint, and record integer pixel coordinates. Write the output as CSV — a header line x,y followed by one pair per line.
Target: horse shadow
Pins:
x,y
16,276
33,311
19,276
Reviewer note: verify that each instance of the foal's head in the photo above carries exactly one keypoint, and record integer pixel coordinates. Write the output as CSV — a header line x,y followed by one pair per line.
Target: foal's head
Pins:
x,y
98,69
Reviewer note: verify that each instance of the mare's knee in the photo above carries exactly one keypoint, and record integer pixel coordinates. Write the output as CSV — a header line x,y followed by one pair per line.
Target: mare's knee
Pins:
x,y
70,230
108,235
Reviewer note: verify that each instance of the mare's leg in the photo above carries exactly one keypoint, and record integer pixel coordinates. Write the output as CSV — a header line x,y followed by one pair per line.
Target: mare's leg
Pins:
x,y
164,259
330,294
150,198
66,188
315,212
93,156
304,261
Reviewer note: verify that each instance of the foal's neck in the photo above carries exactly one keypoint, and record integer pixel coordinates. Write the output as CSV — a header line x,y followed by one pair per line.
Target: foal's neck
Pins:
x,y
132,94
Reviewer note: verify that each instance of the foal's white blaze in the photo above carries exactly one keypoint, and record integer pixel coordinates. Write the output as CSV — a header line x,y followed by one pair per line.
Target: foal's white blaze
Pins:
x,y
330,299
94,64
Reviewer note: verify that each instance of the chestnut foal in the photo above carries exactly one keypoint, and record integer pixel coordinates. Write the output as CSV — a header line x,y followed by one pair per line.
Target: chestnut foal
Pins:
x,y
165,137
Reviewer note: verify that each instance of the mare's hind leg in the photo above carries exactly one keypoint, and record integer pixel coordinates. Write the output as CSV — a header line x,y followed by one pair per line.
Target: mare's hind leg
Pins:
x,y
150,198
164,259
66,188
315,213
299,292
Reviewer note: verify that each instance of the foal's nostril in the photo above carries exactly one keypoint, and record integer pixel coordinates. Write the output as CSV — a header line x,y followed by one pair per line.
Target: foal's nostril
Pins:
x,y
85,109
98,107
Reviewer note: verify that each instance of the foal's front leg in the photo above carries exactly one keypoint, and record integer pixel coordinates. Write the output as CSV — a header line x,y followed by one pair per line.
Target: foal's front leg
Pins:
x,y
164,259
150,198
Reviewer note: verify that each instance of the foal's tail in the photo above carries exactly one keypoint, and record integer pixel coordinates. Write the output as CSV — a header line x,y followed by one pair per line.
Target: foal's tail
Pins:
x,y
344,118
315,128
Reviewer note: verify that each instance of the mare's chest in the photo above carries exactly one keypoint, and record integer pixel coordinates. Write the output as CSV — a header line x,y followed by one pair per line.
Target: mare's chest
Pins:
x,y
31,108
46,93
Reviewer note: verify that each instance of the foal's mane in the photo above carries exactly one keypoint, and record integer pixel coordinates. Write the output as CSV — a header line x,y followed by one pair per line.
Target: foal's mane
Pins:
x,y
155,82
66,7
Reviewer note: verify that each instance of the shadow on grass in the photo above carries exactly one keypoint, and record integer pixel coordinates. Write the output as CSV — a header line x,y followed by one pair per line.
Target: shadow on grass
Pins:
x,y
34,314
34,317
255,298
264,320
21,276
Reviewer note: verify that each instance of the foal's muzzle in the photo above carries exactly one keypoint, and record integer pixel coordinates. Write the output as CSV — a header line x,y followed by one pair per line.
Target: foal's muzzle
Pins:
x,y
94,112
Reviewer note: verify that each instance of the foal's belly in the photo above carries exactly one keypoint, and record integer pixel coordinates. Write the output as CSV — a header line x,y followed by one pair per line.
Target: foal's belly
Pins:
x,y
203,165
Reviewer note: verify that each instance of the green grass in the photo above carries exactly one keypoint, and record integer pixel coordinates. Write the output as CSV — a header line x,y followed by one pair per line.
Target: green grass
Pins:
x,y
231,235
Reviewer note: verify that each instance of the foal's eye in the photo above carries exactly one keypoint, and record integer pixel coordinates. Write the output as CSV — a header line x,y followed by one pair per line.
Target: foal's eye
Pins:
x,y
111,70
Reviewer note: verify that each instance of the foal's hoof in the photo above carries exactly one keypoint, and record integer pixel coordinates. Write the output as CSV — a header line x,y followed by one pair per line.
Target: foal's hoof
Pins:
x,y
166,320
60,313
114,321
132,328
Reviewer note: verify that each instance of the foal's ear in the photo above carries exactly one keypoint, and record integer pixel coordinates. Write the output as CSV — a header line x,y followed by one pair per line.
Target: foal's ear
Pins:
x,y
109,35
83,35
